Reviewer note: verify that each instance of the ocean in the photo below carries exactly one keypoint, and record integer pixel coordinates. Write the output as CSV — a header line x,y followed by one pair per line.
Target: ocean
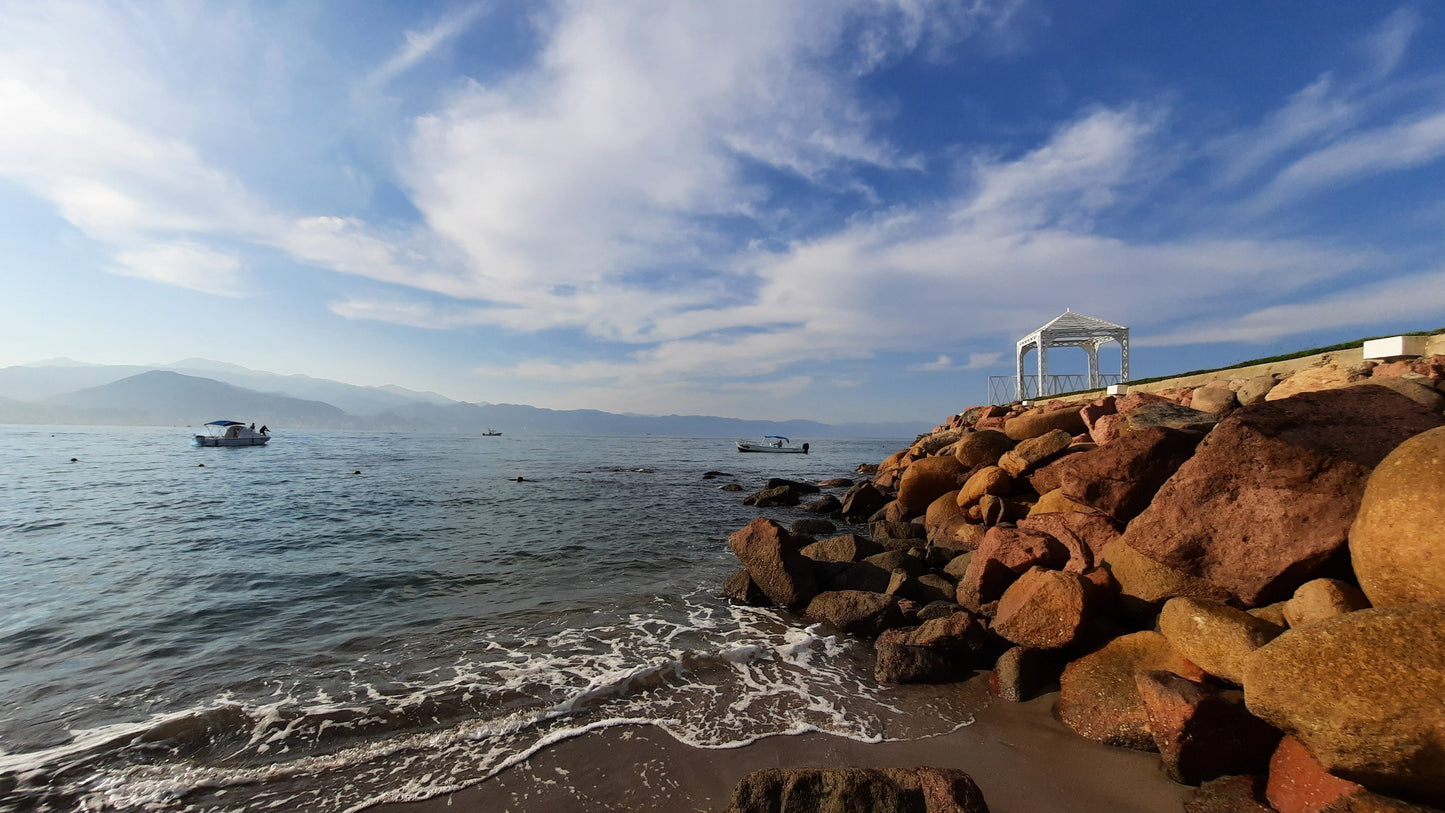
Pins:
x,y
339,619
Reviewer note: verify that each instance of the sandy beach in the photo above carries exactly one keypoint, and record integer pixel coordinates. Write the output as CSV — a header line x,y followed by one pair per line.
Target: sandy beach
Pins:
x,y
1024,760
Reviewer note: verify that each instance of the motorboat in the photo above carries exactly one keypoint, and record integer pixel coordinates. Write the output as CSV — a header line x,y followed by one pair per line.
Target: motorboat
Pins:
x,y
772,444
491,433
232,433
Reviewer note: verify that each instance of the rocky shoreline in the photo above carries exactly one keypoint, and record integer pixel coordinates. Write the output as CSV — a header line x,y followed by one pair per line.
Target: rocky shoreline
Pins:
x,y
1246,577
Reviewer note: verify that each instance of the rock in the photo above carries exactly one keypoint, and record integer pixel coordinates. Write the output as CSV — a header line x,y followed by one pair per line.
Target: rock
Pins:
x,y
1203,732
981,448
1216,398
892,512
1099,699
860,501
1321,599
1299,784
1397,542
930,588
1215,637
884,790
992,510
926,480
1363,801
1055,502
826,504
772,559
1091,413
958,565
857,612
938,609
942,513
938,651
1144,584
1326,376
836,482
1005,554
739,588
845,548
1043,609
1365,693
1273,613
934,442
987,480
1021,674
1032,453
1040,422
730,487
769,497
1229,794
875,573
1427,397
811,527
960,535
796,485
1108,428
898,535
1085,536
1166,415
1120,479
1251,391
1137,399
1268,497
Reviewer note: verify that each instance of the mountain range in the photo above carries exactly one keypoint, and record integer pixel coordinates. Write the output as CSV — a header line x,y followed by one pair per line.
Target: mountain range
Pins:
x,y
193,391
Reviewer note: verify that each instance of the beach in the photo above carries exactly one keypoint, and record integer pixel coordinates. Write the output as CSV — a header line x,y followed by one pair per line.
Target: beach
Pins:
x,y
1021,756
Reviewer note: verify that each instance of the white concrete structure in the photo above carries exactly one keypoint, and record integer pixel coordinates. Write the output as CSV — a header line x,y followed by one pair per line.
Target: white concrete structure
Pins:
x,y
1396,346
1072,330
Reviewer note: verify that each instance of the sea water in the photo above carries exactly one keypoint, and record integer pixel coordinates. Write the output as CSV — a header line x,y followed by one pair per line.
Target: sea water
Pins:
x,y
337,619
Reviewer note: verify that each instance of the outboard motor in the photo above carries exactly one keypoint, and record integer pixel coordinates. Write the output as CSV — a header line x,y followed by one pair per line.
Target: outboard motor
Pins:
x,y
805,448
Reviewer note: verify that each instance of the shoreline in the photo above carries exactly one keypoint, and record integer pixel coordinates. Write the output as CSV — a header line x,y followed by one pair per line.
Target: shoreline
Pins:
x,y
1022,757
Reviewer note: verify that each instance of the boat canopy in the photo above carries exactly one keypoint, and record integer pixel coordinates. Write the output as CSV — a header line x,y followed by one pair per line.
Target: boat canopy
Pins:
x,y
779,437
225,423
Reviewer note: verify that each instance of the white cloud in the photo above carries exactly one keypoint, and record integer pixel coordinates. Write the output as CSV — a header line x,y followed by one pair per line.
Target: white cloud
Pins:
x,y
1404,144
944,364
185,265
418,45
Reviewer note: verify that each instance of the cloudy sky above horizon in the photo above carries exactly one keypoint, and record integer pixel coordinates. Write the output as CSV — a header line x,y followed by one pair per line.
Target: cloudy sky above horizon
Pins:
x,y
829,210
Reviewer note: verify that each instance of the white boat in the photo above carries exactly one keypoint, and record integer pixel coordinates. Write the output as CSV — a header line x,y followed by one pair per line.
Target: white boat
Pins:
x,y
772,444
232,433
491,433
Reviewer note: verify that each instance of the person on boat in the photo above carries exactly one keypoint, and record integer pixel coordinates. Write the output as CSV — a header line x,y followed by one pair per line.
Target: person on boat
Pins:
x,y
253,426
263,428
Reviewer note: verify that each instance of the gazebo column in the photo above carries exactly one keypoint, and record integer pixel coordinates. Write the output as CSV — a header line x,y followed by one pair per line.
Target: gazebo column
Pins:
x,y
1043,366
1093,351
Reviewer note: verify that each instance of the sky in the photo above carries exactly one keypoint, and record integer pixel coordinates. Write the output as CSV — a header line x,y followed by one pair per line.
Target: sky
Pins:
x,y
841,211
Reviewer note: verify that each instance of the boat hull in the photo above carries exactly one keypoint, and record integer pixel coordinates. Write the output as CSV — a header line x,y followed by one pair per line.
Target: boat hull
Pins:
x,y
750,447
202,440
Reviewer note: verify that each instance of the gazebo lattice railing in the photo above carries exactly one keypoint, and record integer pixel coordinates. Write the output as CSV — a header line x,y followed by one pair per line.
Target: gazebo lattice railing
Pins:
x,y
1069,329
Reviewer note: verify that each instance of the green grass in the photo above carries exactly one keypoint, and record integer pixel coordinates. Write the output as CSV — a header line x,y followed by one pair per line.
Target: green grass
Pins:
x,y
1267,360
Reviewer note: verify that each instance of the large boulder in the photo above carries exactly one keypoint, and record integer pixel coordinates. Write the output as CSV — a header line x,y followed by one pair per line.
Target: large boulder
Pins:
x,y
987,480
1397,542
1001,558
1426,396
773,496
926,480
1203,732
1215,398
1034,452
771,557
1041,422
931,443
1327,375
1083,535
739,588
981,448
1043,609
1321,599
1268,497
1365,692
881,790
937,651
1298,783
1144,584
1120,478
858,612
1167,415
1215,637
1099,697
862,500
844,548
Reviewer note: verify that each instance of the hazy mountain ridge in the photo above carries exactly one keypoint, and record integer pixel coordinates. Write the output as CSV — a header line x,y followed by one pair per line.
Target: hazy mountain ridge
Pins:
x,y
194,391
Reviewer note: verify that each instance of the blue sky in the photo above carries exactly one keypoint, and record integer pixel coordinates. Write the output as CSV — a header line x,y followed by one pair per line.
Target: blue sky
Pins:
x,y
829,210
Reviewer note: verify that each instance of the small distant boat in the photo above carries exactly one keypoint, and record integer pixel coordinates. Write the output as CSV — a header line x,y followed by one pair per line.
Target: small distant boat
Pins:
x,y
772,444
232,433
491,433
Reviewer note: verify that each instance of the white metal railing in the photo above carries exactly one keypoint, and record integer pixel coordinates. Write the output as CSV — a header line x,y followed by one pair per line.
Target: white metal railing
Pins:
x,y
1002,389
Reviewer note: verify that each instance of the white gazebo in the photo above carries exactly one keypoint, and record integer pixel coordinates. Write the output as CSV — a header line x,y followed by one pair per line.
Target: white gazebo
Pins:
x,y
1071,330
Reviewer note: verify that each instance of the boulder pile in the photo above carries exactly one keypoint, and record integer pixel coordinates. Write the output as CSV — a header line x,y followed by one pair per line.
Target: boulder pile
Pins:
x,y
1247,577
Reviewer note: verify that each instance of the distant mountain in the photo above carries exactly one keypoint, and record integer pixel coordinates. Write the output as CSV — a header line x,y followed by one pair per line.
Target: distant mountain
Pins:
x,y
193,391
163,397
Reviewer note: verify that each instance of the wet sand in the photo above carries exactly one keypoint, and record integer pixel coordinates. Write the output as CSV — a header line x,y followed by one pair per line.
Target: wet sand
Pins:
x,y
1024,760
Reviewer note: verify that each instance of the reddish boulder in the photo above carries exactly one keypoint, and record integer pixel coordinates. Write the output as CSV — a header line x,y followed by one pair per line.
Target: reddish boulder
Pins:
x,y
987,480
1322,599
926,480
1041,422
938,651
1120,478
982,448
1269,495
1083,535
1034,452
1203,732
844,548
862,500
1043,609
857,612
1099,698
739,588
1298,783
1397,538
1005,554
771,557
1021,674
1136,399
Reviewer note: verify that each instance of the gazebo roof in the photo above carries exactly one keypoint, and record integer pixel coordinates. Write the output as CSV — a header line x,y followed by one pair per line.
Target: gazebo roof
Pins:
x,y
1069,325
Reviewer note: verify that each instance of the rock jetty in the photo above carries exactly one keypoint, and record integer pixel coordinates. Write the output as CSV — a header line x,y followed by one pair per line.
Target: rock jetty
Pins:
x,y
1246,576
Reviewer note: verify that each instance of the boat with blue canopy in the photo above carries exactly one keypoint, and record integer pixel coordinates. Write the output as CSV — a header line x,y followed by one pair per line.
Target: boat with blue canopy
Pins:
x,y
772,444
232,433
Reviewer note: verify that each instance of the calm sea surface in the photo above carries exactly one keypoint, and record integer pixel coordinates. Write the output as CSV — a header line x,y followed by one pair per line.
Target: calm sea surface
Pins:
x,y
338,619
